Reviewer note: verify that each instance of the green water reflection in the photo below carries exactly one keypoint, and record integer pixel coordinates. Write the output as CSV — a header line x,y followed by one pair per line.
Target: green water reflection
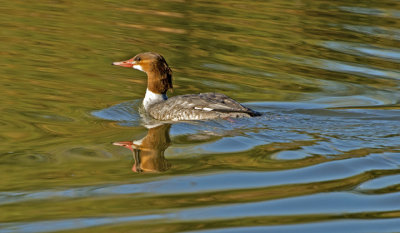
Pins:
x,y
325,73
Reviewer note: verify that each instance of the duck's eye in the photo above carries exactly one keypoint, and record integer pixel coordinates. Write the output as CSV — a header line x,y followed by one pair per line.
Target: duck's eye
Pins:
x,y
138,59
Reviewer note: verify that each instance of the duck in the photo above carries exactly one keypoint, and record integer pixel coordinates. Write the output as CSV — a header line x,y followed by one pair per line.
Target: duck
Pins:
x,y
201,106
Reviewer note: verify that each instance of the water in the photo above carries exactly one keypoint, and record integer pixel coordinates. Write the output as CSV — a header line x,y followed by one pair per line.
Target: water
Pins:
x,y
324,157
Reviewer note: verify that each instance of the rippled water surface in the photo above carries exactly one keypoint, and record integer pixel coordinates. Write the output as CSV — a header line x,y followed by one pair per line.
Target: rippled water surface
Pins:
x,y
323,157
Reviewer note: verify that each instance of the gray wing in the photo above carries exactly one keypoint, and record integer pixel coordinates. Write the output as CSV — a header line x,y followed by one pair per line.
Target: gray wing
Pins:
x,y
210,102
199,106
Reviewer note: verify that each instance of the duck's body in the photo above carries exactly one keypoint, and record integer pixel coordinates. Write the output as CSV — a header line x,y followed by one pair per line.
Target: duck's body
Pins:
x,y
201,106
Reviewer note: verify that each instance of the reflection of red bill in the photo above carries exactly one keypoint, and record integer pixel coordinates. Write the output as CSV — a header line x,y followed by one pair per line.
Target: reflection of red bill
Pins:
x,y
125,144
130,145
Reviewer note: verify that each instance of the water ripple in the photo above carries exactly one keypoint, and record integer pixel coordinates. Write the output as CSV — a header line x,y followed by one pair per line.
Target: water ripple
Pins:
x,y
365,50
332,170
306,205
372,11
349,68
356,226
68,224
384,32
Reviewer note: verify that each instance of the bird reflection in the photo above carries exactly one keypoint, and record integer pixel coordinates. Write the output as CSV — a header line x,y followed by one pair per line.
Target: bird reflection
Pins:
x,y
148,152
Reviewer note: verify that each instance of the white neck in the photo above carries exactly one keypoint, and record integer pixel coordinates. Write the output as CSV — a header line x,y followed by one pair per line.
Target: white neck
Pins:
x,y
152,98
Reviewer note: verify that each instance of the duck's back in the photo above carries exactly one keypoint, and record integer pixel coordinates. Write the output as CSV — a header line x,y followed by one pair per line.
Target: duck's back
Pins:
x,y
199,107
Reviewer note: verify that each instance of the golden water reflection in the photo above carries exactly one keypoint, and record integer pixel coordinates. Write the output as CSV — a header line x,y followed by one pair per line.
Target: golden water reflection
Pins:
x,y
148,152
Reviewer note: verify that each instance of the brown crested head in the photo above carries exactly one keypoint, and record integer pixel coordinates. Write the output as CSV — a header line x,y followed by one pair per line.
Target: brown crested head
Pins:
x,y
159,75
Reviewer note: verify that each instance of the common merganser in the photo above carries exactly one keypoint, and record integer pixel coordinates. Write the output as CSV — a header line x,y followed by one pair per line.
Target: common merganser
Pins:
x,y
201,106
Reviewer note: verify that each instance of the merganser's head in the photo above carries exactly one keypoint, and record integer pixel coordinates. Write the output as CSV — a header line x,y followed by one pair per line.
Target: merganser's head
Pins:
x,y
159,74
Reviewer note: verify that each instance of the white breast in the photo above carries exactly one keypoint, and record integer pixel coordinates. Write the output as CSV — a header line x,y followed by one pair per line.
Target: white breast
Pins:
x,y
151,98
